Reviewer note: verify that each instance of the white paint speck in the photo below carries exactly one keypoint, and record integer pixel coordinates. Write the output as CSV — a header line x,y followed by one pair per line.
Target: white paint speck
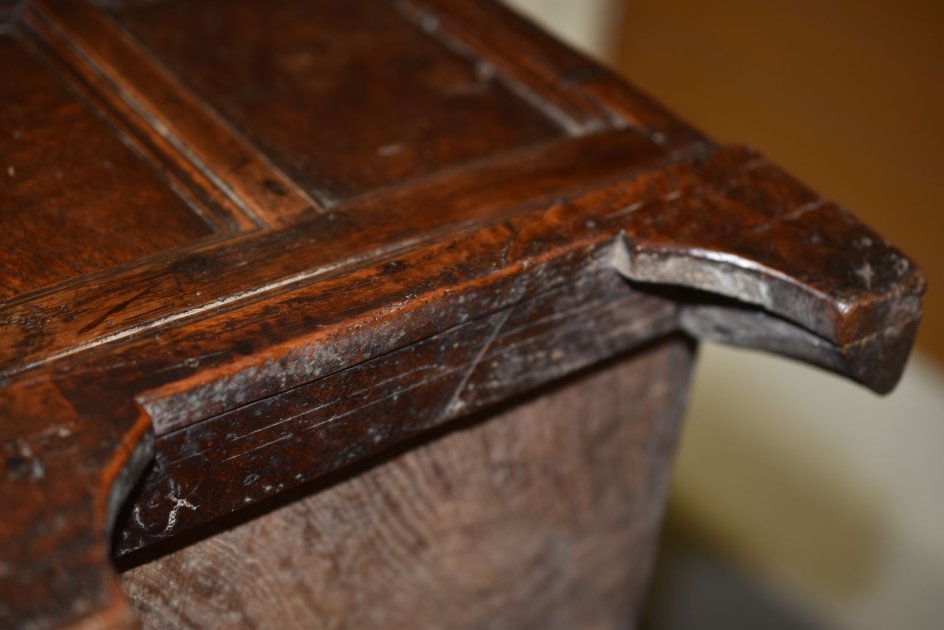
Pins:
x,y
390,149
136,513
484,71
172,517
429,23
865,272
179,502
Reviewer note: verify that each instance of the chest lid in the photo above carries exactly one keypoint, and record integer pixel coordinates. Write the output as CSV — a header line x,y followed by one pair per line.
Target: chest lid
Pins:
x,y
215,206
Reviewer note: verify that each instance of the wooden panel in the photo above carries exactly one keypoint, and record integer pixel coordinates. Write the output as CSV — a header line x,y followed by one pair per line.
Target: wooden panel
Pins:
x,y
586,95
345,96
190,138
73,198
543,516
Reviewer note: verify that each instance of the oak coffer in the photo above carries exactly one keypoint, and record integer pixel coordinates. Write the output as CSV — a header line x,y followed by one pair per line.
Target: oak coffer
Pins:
x,y
366,313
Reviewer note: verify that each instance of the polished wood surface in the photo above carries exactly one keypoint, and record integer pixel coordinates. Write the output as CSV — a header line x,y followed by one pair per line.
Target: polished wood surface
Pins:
x,y
284,274
75,199
309,99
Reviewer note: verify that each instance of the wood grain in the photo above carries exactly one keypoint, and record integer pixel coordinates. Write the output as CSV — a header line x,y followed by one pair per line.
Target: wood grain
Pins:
x,y
74,199
219,274
54,552
585,94
238,458
542,515
270,290
174,119
135,128
301,75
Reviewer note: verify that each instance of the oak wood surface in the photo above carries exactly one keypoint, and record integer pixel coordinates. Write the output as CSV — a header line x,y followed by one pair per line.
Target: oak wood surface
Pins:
x,y
287,81
264,447
215,274
265,286
98,212
543,515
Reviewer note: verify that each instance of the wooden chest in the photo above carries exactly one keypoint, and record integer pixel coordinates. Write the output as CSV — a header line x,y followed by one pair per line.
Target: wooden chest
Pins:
x,y
366,313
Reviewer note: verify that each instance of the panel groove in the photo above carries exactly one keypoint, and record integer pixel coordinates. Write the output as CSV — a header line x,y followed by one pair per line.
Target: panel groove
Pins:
x,y
216,216
576,110
589,93
76,198
188,131
303,82
252,265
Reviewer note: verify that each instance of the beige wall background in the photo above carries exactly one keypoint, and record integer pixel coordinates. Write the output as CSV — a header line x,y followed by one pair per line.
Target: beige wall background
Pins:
x,y
812,485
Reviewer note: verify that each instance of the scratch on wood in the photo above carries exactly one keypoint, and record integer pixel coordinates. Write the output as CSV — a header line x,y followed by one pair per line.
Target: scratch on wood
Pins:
x,y
261,446
455,403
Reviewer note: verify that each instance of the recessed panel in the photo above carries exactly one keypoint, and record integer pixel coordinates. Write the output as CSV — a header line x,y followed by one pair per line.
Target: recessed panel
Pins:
x,y
73,198
346,96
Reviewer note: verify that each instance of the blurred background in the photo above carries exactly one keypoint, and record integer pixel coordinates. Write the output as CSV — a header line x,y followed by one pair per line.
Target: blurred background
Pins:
x,y
799,500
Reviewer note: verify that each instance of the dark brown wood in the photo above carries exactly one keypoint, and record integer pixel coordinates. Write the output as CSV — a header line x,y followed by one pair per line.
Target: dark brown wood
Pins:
x,y
514,521
66,469
369,407
287,81
74,317
589,96
175,120
283,243
75,199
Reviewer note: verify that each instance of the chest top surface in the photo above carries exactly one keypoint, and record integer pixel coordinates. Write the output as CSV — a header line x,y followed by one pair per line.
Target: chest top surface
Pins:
x,y
216,210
